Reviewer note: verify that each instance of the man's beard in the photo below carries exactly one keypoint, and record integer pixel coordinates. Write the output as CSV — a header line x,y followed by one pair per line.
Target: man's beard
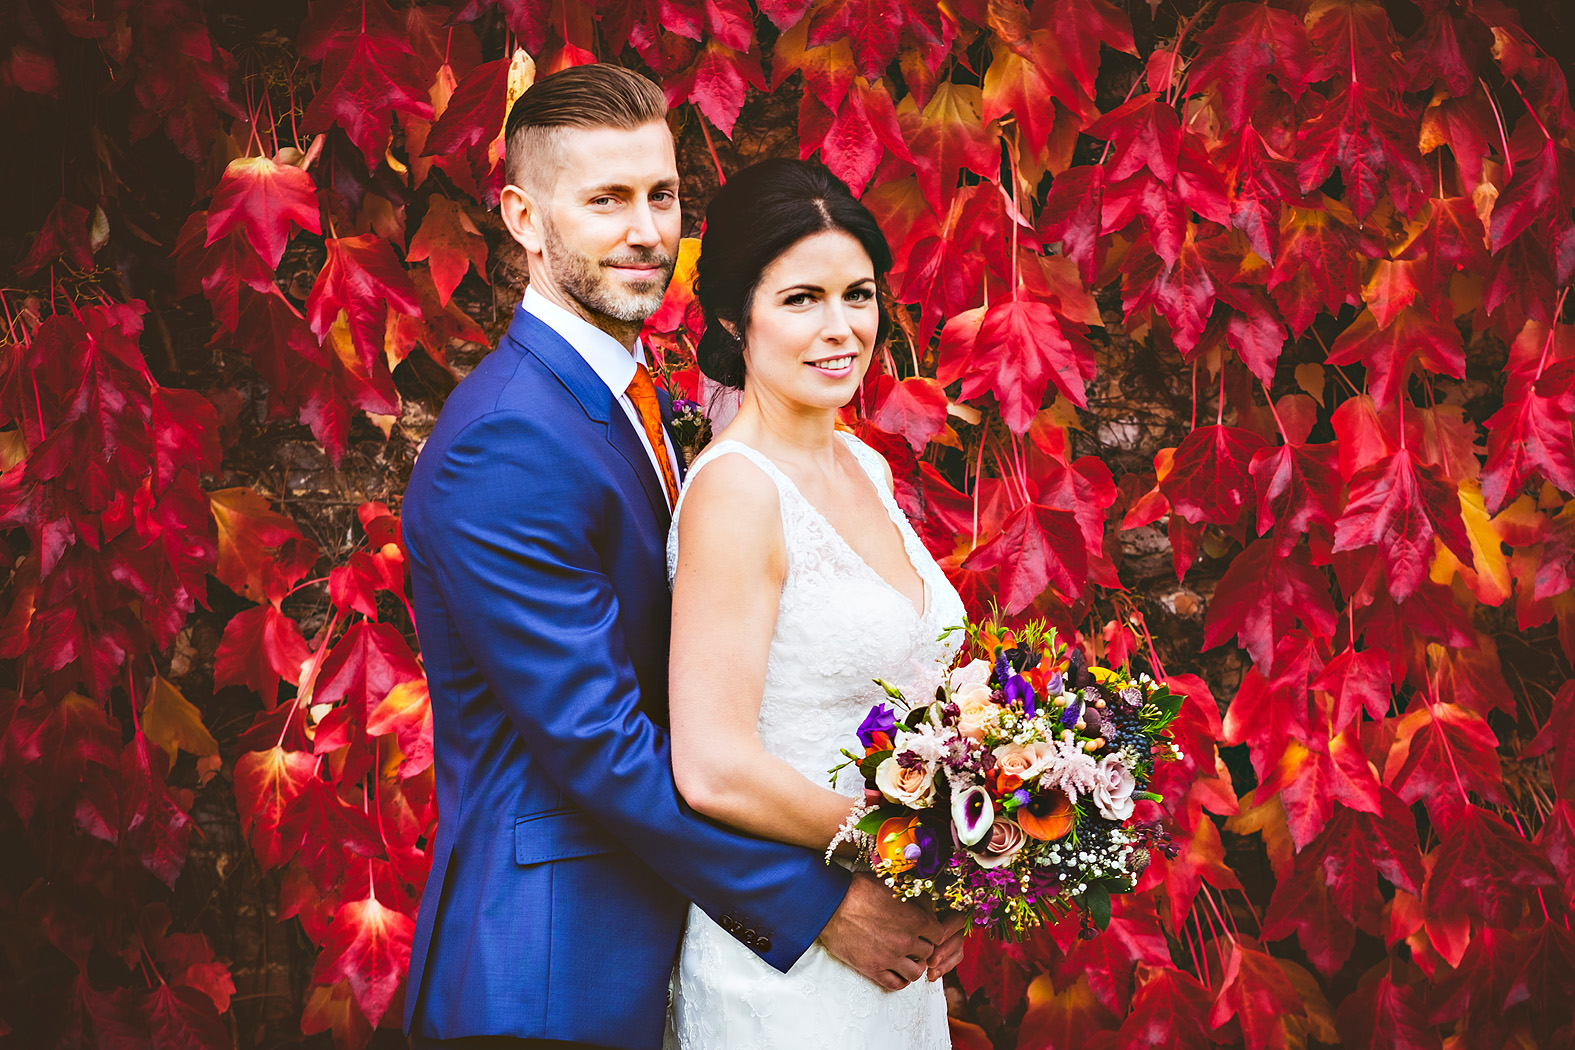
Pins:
x,y
586,282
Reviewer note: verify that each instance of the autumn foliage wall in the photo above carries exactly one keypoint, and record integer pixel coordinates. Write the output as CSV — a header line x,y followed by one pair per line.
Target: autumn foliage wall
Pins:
x,y
1235,344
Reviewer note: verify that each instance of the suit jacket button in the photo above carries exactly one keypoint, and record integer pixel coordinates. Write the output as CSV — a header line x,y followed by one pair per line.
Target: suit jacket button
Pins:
x,y
763,945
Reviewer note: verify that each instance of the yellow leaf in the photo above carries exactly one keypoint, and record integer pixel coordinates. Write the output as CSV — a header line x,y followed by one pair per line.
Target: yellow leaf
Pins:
x,y
173,723
1488,576
1310,377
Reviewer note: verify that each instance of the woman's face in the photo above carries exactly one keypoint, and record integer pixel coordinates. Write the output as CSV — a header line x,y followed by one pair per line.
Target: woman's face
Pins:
x,y
811,329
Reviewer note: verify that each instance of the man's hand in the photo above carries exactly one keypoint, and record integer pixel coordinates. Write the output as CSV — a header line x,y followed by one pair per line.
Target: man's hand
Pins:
x,y
950,951
886,940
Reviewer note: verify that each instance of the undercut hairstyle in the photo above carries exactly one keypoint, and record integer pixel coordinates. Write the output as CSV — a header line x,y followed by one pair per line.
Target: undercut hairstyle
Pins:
x,y
754,218
593,96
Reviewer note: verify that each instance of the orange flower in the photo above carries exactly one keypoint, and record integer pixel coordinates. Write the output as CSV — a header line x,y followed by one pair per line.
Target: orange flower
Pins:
x,y
882,742
1048,817
893,839
1006,783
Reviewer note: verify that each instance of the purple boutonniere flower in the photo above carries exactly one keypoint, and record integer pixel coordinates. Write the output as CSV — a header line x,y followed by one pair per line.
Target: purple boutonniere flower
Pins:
x,y
879,720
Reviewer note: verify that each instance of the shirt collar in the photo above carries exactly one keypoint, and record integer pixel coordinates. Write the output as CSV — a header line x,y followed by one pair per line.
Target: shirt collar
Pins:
x,y
608,358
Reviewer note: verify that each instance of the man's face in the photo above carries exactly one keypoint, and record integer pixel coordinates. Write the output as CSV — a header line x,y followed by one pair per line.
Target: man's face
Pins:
x,y
610,225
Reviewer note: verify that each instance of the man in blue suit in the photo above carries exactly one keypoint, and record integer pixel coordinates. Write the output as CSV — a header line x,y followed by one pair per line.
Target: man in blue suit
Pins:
x,y
536,520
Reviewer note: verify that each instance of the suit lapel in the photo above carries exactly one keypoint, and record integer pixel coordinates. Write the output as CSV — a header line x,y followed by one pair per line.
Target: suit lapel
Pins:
x,y
665,399
543,342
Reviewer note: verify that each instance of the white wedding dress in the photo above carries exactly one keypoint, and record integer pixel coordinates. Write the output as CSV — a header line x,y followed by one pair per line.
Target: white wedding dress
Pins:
x,y
839,626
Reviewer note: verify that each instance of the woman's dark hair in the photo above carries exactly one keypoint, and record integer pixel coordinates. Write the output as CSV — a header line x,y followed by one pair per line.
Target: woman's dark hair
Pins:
x,y
757,216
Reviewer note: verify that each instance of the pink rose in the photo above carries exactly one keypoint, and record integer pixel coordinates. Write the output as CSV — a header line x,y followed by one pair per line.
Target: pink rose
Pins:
x,y
1005,839
1024,762
1113,791
976,672
977,712
913,786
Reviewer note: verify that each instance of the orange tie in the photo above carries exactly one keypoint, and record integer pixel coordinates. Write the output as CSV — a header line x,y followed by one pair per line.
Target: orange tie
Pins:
x,y
643,393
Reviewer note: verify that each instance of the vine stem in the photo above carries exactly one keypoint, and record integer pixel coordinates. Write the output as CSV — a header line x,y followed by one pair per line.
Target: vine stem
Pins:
x,y
1172,88
721,176
1509,162
1547,344
978,478
309,679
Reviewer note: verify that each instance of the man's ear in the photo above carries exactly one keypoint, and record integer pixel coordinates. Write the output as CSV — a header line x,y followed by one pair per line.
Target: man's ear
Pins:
x,y
522,217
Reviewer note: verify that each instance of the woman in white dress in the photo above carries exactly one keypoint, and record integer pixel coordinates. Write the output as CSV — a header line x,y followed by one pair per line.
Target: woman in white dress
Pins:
x,y
796,581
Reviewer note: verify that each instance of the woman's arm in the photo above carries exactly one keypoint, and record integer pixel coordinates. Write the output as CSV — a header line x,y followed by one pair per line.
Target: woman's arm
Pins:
x,y
731,563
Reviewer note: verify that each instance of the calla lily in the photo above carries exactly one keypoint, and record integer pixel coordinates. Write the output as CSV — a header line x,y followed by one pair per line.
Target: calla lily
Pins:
x,y
972,815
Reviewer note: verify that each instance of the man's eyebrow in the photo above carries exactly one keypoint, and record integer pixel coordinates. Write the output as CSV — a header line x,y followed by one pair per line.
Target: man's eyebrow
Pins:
x,y
621,188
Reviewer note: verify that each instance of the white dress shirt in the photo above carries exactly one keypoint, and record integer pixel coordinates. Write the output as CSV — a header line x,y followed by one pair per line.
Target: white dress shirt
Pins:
x,y
611,361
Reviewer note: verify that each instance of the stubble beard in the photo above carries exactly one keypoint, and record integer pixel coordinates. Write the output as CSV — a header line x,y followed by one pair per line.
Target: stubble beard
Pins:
x,y
585,281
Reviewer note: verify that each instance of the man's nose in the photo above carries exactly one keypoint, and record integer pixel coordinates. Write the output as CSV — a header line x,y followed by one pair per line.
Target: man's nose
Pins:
x,y
642,232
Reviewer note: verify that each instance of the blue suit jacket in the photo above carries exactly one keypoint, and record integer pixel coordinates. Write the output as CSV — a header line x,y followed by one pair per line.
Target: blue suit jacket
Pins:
x,y
564,859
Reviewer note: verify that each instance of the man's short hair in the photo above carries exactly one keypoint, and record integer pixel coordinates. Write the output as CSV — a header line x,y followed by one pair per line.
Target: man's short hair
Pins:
x,y
592,96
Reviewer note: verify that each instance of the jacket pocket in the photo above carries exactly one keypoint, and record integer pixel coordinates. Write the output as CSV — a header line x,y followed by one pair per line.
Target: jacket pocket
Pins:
x,y
559,835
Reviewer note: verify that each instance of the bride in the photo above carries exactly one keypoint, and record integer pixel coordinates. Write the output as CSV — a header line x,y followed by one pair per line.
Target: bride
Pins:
x,y
796,581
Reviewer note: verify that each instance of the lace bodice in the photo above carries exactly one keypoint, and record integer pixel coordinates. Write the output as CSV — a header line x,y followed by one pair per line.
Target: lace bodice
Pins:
x,y
840,625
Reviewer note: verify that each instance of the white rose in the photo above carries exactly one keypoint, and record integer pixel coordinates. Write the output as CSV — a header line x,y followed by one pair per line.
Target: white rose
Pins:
x,y
913,787
1113,789
975,673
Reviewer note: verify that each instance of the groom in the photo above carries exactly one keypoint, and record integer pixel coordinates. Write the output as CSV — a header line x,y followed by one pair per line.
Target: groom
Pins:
x,y
536,520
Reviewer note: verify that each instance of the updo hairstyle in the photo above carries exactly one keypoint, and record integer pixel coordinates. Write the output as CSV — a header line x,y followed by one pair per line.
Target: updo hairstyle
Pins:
x,y
757,216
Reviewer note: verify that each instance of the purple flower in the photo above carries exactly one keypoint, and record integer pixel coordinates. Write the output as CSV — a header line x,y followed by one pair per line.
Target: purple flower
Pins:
x,y
1001,671
1074,711
682,405
881,719
1022,796
1018,690
1055,685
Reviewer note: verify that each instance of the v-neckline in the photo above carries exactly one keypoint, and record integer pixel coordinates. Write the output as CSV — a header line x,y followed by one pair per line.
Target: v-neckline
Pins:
x,y
919,612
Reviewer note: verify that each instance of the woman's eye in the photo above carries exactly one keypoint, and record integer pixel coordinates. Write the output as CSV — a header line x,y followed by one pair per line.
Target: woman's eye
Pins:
x,y
861,295
797,299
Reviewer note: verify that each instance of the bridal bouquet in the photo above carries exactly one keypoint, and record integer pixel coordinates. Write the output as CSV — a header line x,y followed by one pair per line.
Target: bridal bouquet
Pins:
x,y
1010,796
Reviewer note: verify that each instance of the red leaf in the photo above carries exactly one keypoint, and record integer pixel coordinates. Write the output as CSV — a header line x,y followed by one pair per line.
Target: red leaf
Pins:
x,y
1357,681
1073,213
1262,594
267,783
1036,547
1144,134
1441,751
1209,479
1383,1015
407,713
1298,488
474,114
1170,1009
1541,184
1483,977
1387,351
1528,436
950,134
914,408
1485,868
263,199
1176,282
1246,42
1201,858
362,87
1398,505
1020,347
1256,992
1373,145
853,140
369,946
1355,35
1134,940
260,646
1311,782
1319,265
183,1019
364,666
153,827
451,243
363,278
874,28
64,236
325,829
261,553
717,83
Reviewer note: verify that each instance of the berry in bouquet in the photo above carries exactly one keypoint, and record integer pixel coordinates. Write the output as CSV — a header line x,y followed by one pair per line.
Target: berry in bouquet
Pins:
x,y
1010,796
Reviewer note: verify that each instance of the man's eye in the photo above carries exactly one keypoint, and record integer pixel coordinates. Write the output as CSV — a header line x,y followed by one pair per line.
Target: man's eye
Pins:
x,y
664,197
601,201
